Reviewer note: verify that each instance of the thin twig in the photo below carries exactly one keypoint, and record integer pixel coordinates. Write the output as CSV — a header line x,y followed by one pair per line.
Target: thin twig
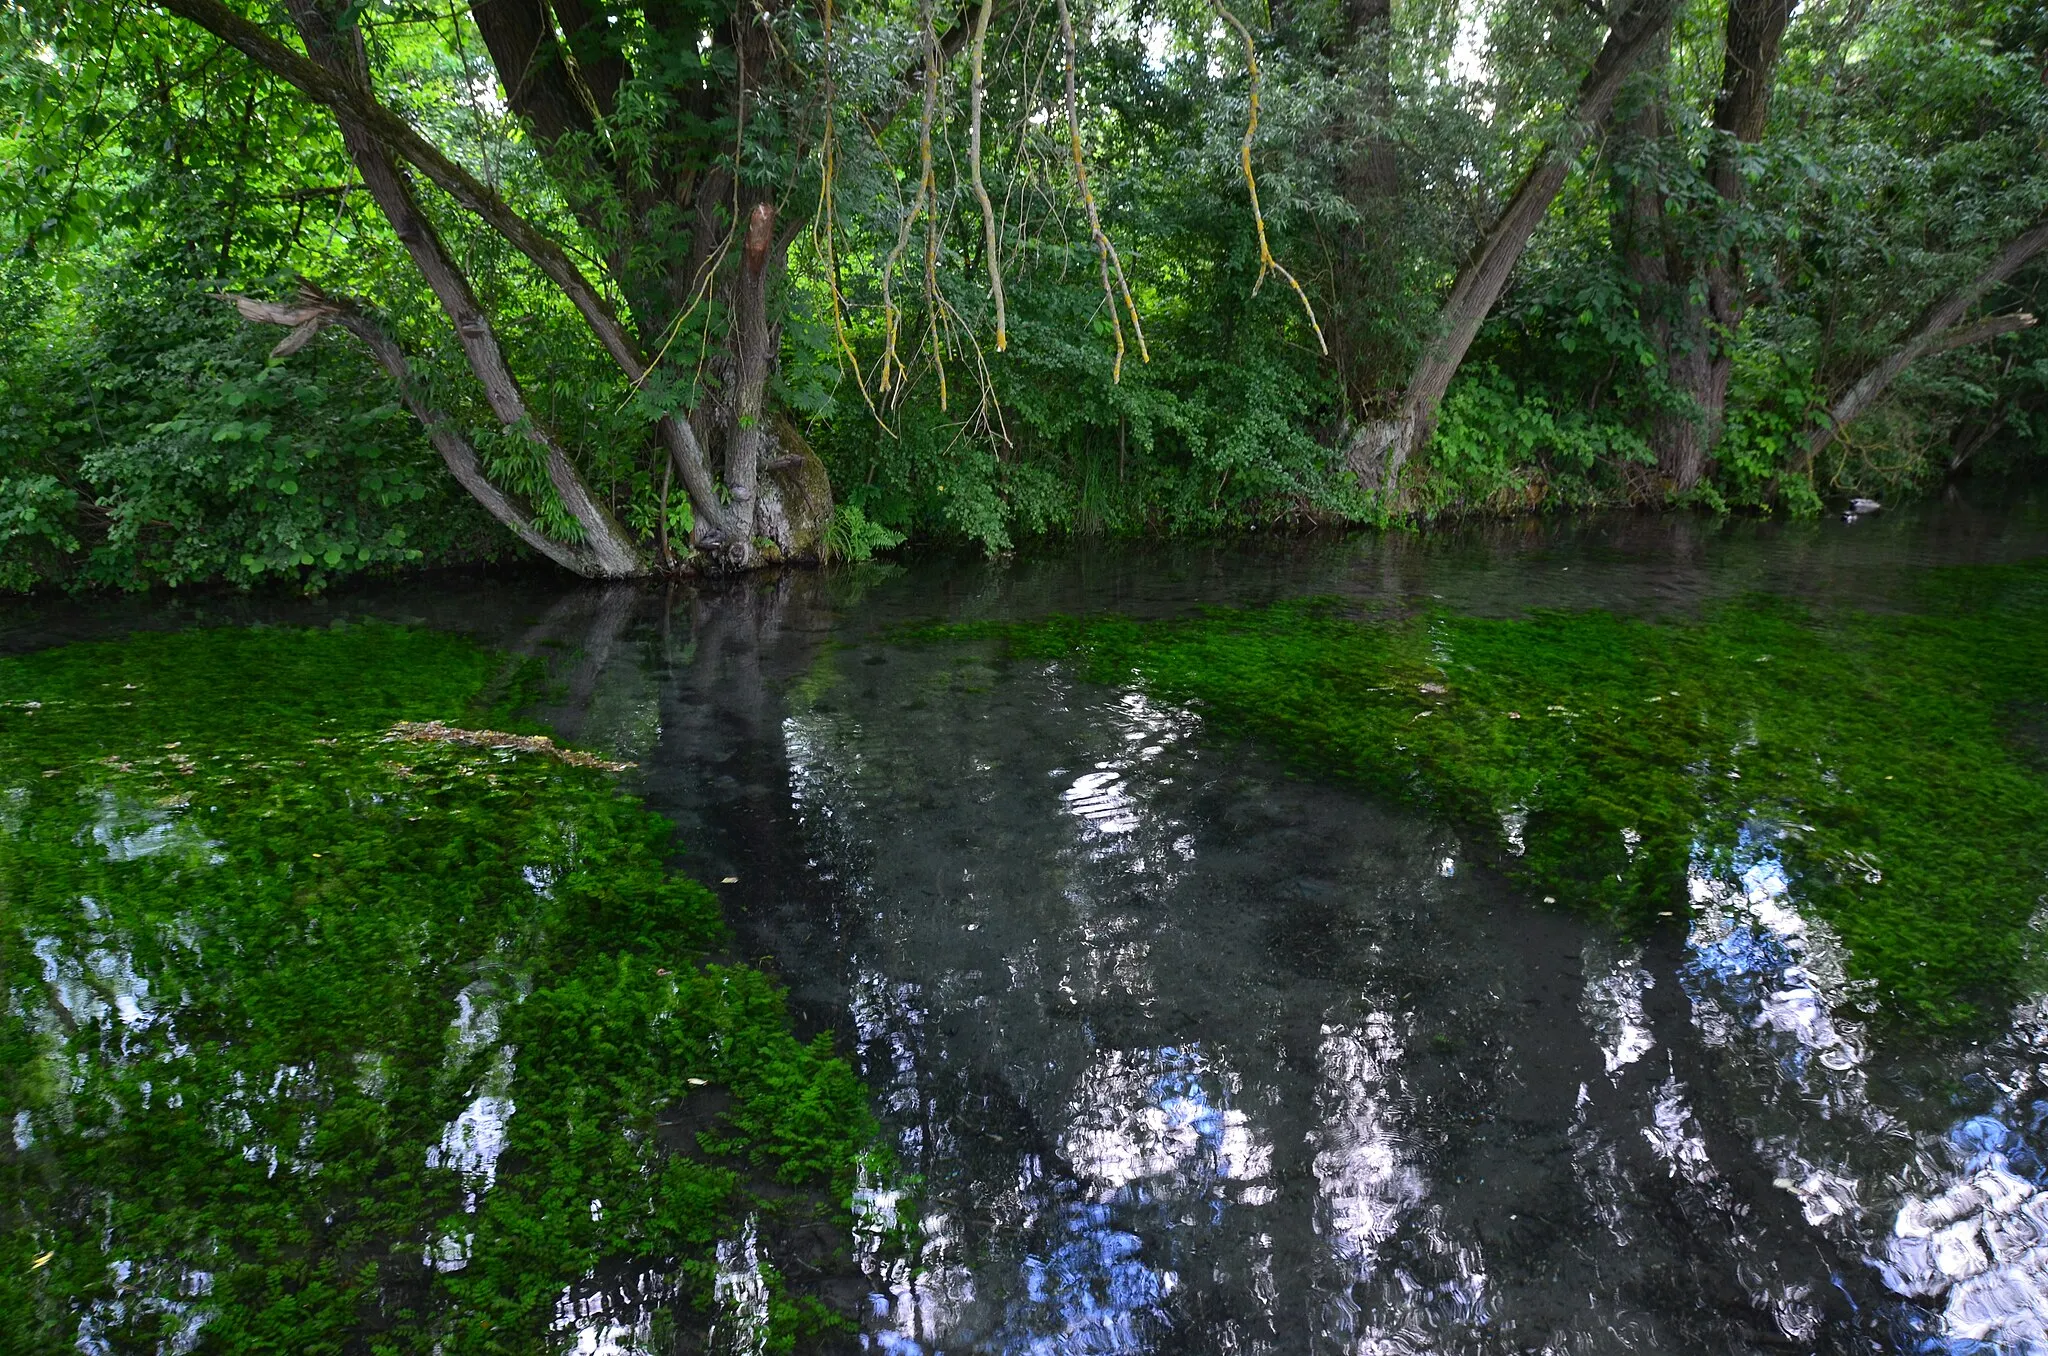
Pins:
x,y
1267,263
1105,251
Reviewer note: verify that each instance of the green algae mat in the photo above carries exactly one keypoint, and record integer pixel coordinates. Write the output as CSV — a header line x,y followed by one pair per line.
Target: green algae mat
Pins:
x,y
324,1038
1886,770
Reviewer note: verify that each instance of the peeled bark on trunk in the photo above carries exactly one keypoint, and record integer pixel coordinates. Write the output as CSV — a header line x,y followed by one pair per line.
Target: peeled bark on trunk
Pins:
x,y
315,311
1379,450
753,359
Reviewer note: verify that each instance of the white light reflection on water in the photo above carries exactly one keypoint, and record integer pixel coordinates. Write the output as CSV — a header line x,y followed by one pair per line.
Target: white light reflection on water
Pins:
x,y
1366,1181
617,1319
1973,1247
1175,1060
171,1292
1613,1003
1955,1225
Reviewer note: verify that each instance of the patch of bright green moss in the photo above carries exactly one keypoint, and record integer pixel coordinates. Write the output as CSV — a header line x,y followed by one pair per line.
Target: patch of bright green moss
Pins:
x,y
265,969
1607,759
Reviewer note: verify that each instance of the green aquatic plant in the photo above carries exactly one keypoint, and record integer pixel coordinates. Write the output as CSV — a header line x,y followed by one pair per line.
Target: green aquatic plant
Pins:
x,y
323,1038
1869,761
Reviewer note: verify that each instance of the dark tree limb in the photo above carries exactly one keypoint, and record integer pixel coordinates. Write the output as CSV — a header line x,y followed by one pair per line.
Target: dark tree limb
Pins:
x,y
336,93
1938,330
341,54
1379,449
315,311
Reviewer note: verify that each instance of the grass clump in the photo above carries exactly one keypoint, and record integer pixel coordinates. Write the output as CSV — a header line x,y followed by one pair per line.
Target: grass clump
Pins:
x,y
322,1040
1607,760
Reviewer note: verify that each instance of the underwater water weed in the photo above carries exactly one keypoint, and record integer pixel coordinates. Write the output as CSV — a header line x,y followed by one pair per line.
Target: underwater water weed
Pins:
x,y
1617,764
320,1039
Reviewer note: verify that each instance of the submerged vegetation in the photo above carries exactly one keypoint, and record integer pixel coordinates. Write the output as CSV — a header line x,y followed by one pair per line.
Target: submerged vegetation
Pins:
x,y
326,1037
1874,765
295,289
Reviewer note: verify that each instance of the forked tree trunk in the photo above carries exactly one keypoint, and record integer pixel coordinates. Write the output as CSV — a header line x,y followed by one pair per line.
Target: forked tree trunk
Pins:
x,y
404,141
1379,450
606,550
1938,330
1709,297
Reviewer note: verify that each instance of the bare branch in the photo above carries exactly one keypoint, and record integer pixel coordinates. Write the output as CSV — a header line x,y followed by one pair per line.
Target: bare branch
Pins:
x,y
1938,331
1105,251
990,245
1267,263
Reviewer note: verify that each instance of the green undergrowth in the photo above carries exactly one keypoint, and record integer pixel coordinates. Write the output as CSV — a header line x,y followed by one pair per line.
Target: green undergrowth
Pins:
x,y
1877,762
319,1040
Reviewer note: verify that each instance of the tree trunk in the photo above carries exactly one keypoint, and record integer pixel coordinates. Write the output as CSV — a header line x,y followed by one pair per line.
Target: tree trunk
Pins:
x,y
609,552
1379,450
1366,343
1701,360
1938,330
403,140
1673,311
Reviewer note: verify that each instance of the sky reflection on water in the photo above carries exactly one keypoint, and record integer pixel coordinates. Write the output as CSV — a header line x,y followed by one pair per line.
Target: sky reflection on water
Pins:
x,y
1182,1054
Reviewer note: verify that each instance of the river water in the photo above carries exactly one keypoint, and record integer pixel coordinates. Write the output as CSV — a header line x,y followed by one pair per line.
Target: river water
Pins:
x,y
1182,1052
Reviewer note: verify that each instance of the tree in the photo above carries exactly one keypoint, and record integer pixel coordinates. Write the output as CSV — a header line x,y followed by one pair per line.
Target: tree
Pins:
x,y
1687,263
1379,449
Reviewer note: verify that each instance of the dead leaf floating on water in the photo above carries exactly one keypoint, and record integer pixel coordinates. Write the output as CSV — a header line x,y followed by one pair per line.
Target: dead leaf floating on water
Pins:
x,y
440,732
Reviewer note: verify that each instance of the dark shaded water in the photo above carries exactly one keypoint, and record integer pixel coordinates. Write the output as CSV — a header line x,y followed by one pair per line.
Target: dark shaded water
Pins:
x,y
1182,1053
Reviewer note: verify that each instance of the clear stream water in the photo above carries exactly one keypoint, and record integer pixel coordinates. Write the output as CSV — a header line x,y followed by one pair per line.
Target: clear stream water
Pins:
x,y
1184,1053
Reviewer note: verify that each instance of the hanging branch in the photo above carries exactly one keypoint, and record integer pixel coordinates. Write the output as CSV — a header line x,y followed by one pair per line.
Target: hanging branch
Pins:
x,y
988,212
1267,263
892,318
1105,251
824,232
931,216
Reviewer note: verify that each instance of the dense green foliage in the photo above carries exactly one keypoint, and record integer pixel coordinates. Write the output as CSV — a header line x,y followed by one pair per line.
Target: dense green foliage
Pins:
x,y
145,437
298,1011
1605,761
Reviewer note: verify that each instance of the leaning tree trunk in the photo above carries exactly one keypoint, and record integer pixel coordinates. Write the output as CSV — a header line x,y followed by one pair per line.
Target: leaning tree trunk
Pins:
x,y
1379,450
404,142
314,311
1939,330
606,550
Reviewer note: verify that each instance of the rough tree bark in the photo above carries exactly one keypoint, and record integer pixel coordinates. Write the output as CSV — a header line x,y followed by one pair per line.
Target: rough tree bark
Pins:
x,y
1693,295
607,552
1939,329
1379,449
1365,344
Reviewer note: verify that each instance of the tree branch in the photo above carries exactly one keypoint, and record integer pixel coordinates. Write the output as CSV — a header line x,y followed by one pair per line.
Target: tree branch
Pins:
x,y
326,88
1938,331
